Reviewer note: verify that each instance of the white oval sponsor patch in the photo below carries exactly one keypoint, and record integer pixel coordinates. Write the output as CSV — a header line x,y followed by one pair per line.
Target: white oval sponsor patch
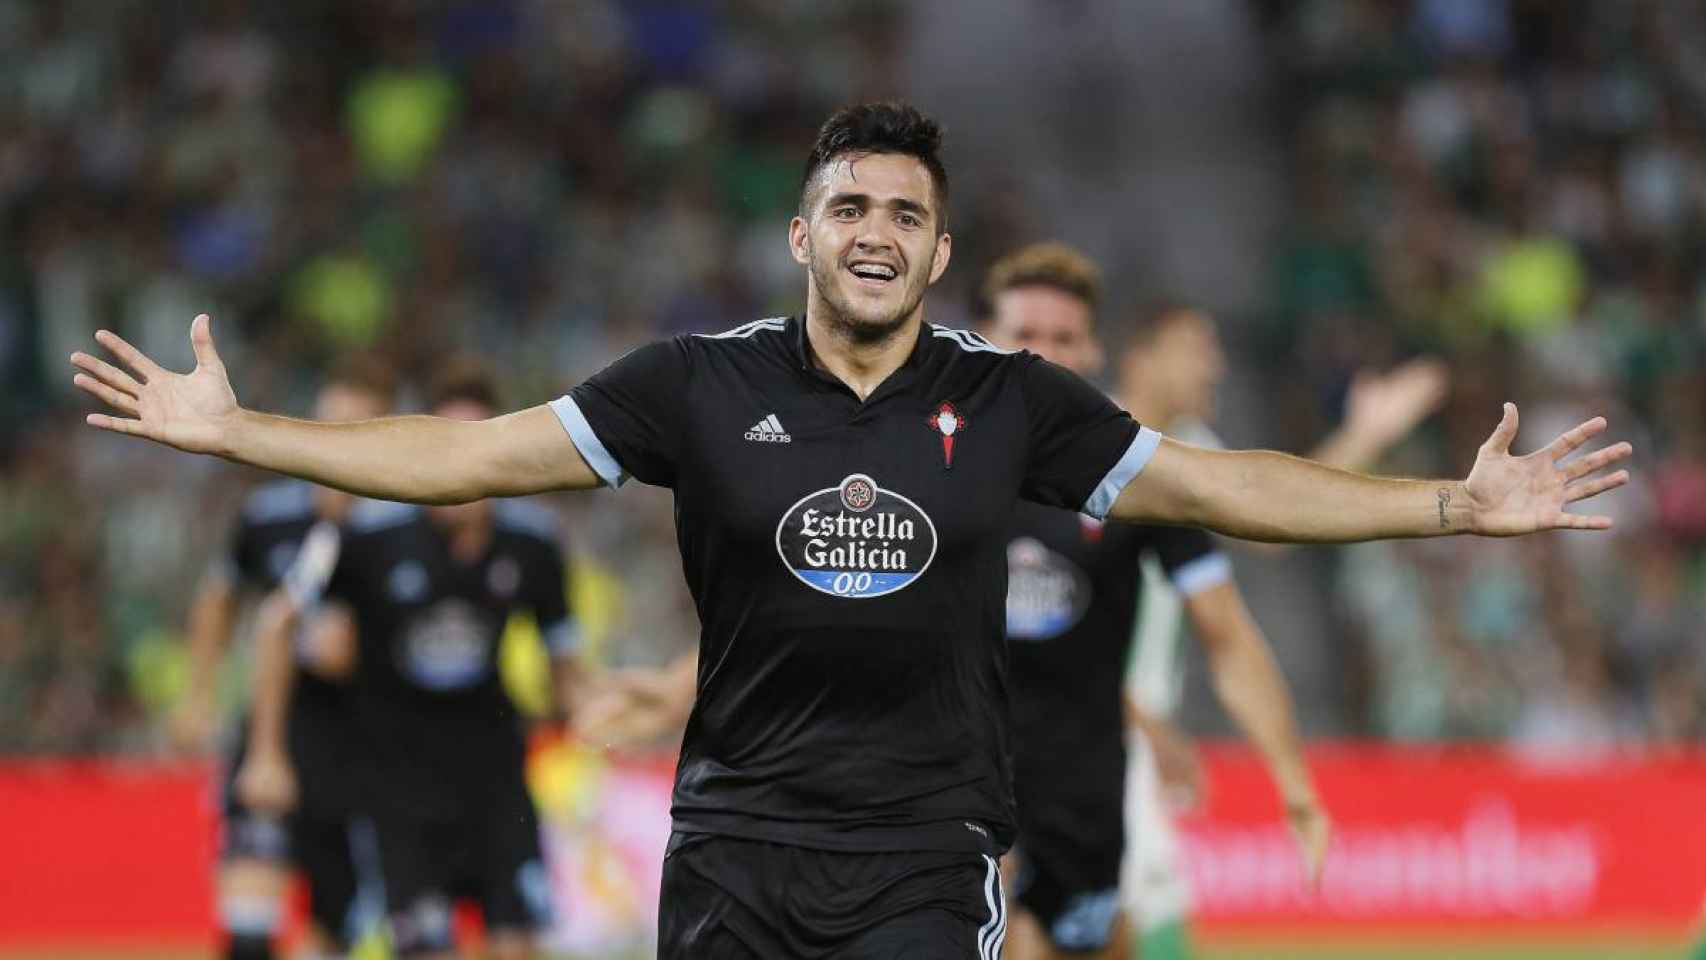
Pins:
x,y
856,539
1046,592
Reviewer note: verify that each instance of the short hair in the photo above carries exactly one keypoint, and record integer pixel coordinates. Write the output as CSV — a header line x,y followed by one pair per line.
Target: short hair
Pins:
x,y
887,127
367,373
463,379
1053,265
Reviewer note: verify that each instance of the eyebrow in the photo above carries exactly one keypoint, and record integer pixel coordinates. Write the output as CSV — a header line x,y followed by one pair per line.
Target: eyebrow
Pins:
x,y
864,200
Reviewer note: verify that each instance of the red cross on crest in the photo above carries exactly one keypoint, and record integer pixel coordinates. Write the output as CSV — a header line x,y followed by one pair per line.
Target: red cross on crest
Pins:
x,y
947,421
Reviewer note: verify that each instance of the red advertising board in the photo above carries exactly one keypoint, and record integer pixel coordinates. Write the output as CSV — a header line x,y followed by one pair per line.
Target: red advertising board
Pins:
x,y
1458,838
1444,841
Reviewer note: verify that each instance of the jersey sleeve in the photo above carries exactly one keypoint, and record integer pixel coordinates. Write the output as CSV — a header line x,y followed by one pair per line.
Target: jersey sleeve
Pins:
x,y
1082,449
1190,559
627,419
548,589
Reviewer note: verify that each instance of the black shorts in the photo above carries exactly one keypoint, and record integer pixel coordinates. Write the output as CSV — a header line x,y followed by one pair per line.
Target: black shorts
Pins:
x,y
488,851
316,838
726,898
1075,899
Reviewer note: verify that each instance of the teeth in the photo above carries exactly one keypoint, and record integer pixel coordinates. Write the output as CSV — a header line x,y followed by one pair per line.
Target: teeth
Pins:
x,y
874,271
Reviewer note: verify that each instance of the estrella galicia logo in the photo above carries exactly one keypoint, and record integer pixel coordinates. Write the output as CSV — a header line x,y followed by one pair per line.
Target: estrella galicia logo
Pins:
x,y
856,539
1046,593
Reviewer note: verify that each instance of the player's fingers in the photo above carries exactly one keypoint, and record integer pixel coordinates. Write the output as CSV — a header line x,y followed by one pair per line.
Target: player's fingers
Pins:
x,y
1582,466
1573,438
1505,432
1583,489
133,358
122,402
201,341
116,424
106,373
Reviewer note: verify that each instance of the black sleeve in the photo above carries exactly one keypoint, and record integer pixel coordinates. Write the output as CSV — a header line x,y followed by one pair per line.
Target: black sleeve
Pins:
x,y
547,594
628,419
244,561
1082,449
1189,557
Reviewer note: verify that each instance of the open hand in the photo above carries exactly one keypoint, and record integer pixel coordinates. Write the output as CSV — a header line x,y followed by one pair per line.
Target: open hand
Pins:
x,y
1510,495
1385,407
189,411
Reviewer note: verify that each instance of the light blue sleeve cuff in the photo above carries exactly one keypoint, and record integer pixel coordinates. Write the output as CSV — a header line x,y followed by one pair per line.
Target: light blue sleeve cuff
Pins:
x,y
587,442
1130,465
1208,570
562,639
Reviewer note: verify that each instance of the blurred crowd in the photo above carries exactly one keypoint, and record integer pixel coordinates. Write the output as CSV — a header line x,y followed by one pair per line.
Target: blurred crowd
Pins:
x,y
1519,186
1516,186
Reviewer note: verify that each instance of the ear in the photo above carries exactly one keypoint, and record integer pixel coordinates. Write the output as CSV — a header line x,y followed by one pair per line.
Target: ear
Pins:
x,y
944,250
800,241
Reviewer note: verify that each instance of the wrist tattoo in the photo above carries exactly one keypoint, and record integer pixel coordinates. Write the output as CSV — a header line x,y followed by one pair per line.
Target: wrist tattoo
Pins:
x,y
1444,501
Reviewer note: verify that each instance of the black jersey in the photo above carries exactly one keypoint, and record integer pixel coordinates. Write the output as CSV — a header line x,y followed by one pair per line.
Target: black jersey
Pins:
x,y
429,700
848,563
1072,604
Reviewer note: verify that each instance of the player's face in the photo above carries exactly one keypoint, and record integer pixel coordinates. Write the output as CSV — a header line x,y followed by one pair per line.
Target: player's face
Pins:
x,y
870,242
462,515
1050,323
1187,362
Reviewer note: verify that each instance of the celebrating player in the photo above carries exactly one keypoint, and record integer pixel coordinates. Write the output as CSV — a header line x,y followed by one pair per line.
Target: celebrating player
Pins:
x,y
426,595
260,842
843,786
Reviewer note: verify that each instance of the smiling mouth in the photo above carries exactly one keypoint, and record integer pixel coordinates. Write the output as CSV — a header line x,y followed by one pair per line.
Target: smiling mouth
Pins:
x,y
875,275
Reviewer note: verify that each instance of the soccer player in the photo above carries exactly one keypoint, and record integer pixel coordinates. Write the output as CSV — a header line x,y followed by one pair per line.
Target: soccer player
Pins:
x,y
843,482
1169,372
260,844
427,594
1072,591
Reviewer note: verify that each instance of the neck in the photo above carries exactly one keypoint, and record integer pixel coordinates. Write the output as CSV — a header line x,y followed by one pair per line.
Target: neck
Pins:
x,y
862,365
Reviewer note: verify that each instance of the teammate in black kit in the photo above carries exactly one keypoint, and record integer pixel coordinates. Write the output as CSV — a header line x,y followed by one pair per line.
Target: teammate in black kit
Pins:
x,y
260,843
1072,603
844,786
427,594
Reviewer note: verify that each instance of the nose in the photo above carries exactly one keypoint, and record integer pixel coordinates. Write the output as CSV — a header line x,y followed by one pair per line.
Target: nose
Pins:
x,y
872,239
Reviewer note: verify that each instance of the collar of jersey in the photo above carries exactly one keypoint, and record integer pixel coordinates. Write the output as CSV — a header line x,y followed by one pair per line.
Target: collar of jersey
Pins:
x,y
895,381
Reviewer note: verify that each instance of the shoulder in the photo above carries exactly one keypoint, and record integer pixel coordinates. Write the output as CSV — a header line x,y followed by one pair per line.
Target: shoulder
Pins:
x,y
765,329
970,341
376,516
282,501
767,339
527,520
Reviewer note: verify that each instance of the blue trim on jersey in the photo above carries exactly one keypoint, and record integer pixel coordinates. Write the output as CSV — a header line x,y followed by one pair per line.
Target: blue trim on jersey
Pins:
x,y
370,515
1136,457
586,441
280,501
522,516
1208,570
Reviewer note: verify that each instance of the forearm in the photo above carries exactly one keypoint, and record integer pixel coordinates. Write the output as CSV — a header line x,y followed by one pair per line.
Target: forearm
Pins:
x,y
1276,497
1252,689
1348,449
271,684
416,459
212,617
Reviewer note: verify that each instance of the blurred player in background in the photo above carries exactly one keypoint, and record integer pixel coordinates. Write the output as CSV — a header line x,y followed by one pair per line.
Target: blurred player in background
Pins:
x,y
849,733
426,594
260,845
1072,591
1169,374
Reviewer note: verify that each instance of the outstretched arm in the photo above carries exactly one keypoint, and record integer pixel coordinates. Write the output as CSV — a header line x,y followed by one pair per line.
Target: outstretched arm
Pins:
x,y
417,459
1252,689
1260,495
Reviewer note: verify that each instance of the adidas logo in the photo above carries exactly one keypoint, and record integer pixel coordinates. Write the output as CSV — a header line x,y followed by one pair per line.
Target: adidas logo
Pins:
x,y
769,430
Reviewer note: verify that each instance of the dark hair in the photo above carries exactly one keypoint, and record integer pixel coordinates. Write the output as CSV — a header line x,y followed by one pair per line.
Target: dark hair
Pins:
x,y
463,378
368,373
888,127
1053,265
